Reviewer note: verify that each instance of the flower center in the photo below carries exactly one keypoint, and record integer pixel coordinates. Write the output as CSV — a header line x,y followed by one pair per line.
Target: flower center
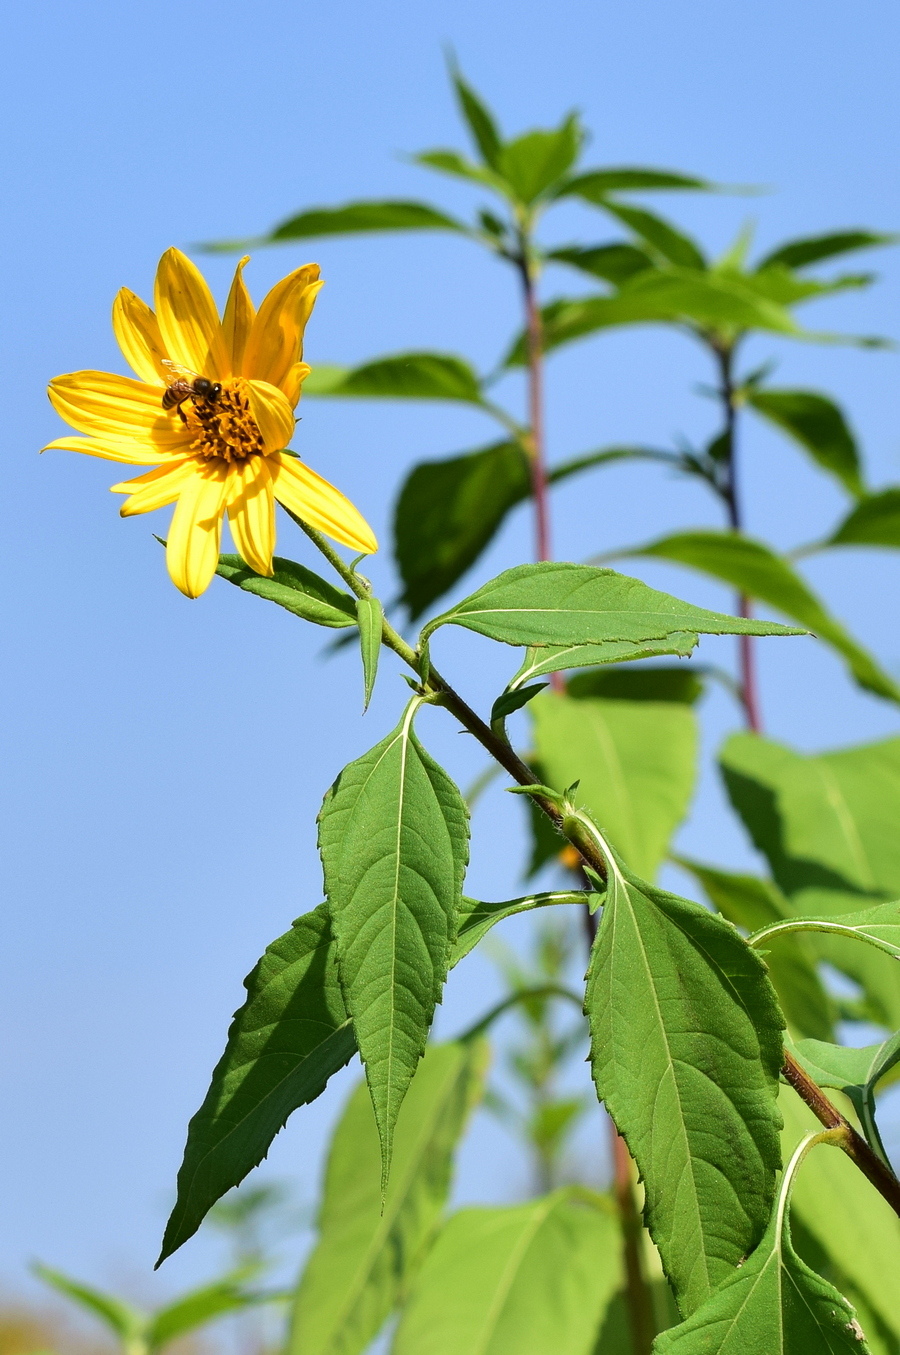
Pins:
x,y
224,428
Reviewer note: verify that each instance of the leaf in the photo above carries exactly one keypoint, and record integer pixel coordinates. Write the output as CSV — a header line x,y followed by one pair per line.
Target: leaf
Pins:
x,y
368,1250
402,376
509,701
557,658
595,184
815,248
614,263
478,117
351,219
394,841
879,926
875,521
752,903
659,234
460,166
826,825
846,1216
854,1072
818,425
566,604
774,1305
533,163
681,685
199,1307
370,618
290,1036
516,1280
686,1051
476,919
295,588
634,762
447,513
756,570
128,1323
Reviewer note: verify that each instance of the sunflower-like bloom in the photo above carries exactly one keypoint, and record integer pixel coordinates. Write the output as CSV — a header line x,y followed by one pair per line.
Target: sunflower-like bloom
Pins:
x,y
216,455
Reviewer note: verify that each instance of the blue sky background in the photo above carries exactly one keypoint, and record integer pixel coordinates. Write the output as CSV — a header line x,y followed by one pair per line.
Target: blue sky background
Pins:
x,y
165,759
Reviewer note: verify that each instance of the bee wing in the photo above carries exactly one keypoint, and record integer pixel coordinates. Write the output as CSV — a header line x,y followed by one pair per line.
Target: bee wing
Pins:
x,y
176,372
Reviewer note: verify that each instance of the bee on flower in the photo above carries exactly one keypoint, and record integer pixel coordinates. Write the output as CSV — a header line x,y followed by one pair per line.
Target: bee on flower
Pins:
x,y
212,411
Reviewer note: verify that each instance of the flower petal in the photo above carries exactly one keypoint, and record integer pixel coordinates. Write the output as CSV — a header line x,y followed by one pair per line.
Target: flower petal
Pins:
x,y
293,382
274,416
237,321
187,316
251,514
139,338
192,550
320,504
156,489
115,406
276,340
133,451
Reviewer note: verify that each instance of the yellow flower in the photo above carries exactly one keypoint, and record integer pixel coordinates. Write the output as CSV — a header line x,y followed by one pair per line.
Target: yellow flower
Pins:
x,y
222,452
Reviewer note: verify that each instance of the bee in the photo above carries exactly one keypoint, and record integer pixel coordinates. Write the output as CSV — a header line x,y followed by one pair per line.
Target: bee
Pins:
x,y
183,384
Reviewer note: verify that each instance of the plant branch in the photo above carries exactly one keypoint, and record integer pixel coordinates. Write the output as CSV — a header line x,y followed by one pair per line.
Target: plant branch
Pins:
x,y
638,1298
535,349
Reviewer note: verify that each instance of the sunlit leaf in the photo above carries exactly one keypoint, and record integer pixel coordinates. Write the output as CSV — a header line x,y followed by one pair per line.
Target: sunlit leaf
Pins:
x,y
393,835
659,234
460,166
682,685
533,163
558,658
878,926
479,118
875,521
614,263
476,919
403,376
815,248
351,219
200,1307
370,619
295,588
595,184
516,1280
126,1322
853,1071
369,1248
818,425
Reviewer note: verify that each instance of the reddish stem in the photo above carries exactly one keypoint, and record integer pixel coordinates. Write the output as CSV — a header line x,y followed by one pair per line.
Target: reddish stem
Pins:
x,y
535,337
637,1291
747,661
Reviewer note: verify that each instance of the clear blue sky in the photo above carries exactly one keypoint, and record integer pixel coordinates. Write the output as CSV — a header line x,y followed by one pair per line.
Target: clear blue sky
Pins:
x,y
165,759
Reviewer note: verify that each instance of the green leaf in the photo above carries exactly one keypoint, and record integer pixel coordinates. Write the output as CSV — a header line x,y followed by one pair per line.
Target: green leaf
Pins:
x,y
476,919
681,685
447,513
351,219
128,1323
826,825
752,903
879,926
818,425
557,658
370,618
815,248
674,246
565,604
614,263
290,1036
512,700
595,184
199,1307
774,1305
846,1216
460,166
368,1249
686,1051
394,840
403,376
479,119
854,1072
875,521
634,762
756,570
533,163
517,1280
295,588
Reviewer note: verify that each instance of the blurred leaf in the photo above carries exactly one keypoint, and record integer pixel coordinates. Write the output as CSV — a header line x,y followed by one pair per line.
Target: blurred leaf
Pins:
x,y
295,588
200,1307
875,521
290,1036
634,762
595,184
826,825
566,604
370,618
818,425
351,219
557,658
478,117
752,903
773,1305
682,685
659,234
447,513
686,1051
451,162
368,1250
517,1280
756,570
854,1072
815,248
403,376
614,263
128,1323
534,162
394,842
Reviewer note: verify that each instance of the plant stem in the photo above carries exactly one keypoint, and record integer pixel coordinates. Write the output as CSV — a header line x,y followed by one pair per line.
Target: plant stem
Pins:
x,y
535,346
639,1300
746,652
